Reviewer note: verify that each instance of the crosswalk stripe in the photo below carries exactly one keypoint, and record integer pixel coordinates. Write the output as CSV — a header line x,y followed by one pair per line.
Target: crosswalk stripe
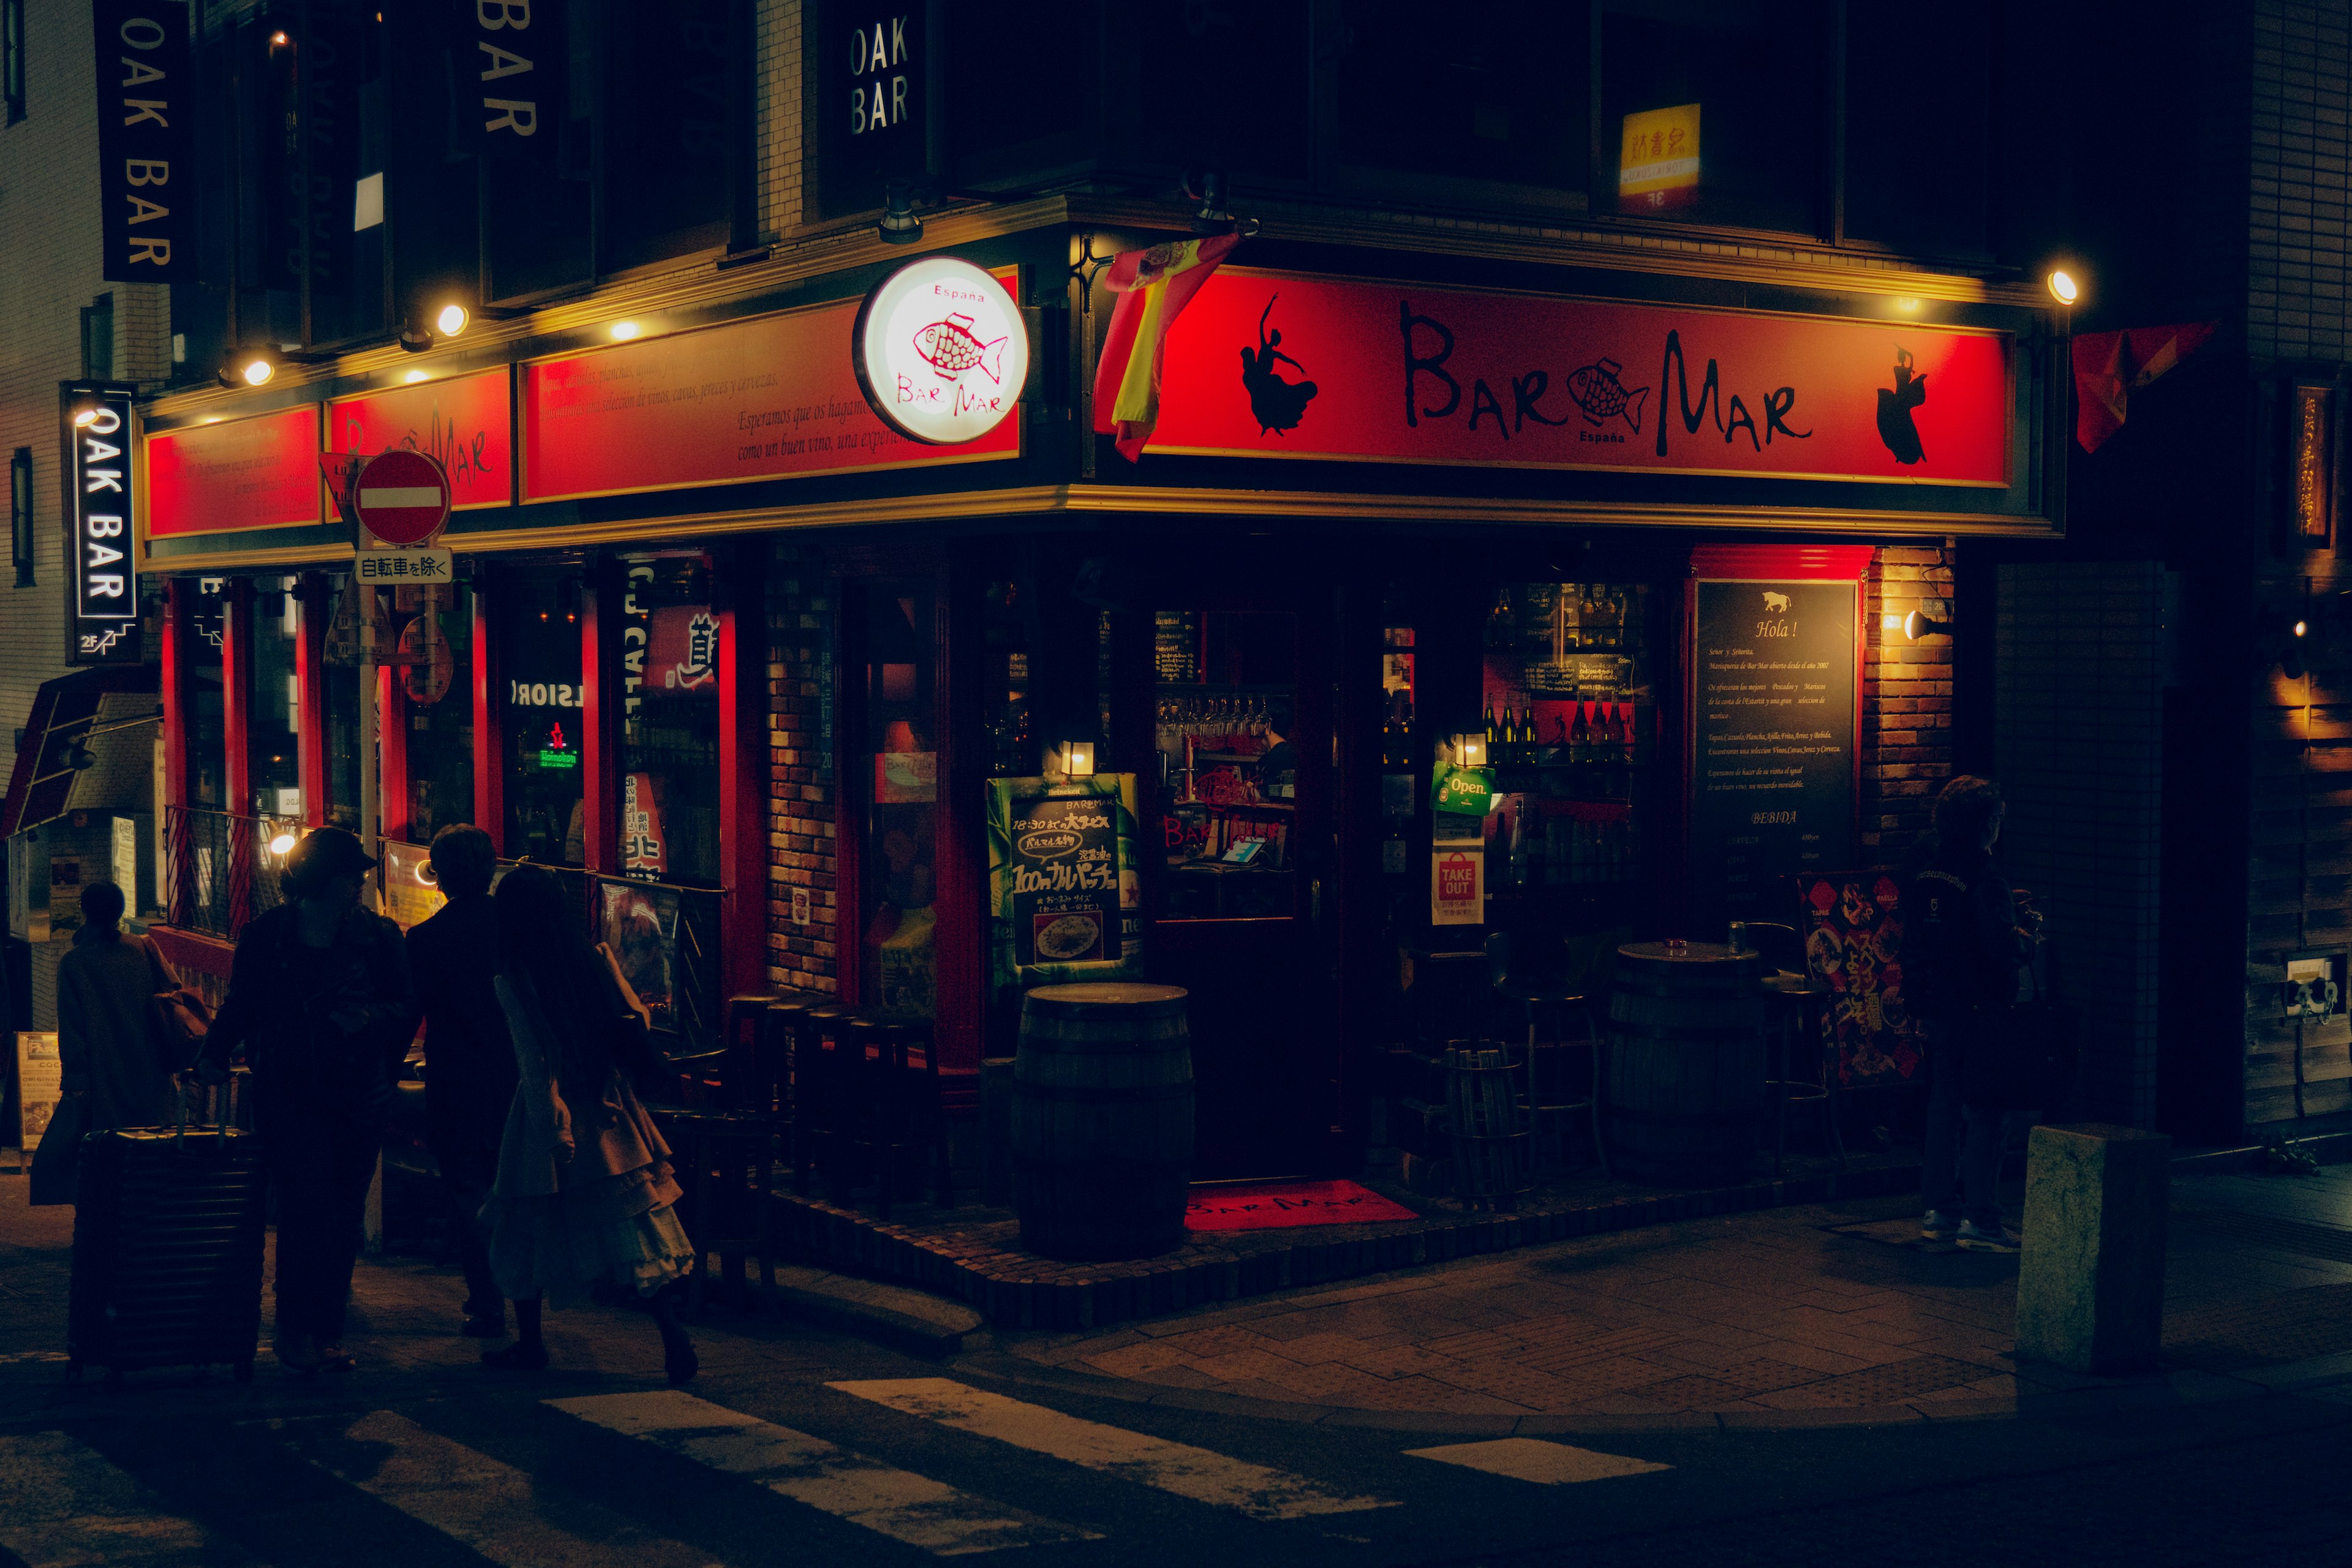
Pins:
x,y
491,1507
1531,1459
64,1505
1196,1473
893,1502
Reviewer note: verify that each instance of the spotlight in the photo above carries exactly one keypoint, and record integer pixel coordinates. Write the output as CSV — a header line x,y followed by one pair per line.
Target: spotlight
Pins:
x,y
416,336
281,844
1207,187
625,330
451,321
899,224
2290,657
86,417
2063,286
1920,623
248,367
414,376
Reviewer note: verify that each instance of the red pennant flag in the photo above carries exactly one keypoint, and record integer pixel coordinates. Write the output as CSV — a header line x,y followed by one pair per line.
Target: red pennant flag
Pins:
x,y
1153,288
343,471
2110,366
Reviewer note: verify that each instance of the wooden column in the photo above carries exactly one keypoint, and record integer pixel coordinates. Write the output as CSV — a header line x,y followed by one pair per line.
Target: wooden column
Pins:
x,y
490,738
311,673
738,585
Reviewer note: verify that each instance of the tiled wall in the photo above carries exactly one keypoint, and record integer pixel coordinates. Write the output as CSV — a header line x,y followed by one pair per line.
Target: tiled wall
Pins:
x,y
2299,887
2078,751
2301,153
777,37
800,789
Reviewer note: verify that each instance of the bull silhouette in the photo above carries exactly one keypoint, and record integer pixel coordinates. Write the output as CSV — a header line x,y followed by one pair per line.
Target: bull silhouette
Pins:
x,y
1777,604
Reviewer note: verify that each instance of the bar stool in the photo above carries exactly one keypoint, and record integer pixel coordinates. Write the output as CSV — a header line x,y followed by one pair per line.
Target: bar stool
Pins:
x,y
820,1065
900,1108
1802,1003
739,1042
1532,996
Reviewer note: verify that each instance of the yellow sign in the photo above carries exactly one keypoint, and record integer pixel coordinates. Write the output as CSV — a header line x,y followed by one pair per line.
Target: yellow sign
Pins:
x,y
1657,165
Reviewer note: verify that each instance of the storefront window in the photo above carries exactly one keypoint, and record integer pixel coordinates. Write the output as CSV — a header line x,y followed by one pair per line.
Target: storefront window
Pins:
x,y
207,781
273,753
669,817
1497,93
1012,735
536,617
1712,112
899,855
1226,705
436,628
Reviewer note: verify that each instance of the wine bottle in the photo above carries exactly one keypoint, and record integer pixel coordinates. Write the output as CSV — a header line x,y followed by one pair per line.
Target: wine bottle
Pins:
x,y
1580,751
1493,736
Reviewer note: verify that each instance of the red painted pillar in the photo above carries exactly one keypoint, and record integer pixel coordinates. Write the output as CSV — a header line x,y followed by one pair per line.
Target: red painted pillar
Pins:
x,y
236,714
177,874
310,674
740,600
392,744
490,738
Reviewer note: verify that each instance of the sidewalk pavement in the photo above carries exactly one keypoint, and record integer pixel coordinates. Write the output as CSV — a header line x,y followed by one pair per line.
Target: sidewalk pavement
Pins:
x,y
1814,1315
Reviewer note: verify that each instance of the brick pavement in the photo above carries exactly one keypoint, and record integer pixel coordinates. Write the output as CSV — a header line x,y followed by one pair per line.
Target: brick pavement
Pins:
x,y
1826,1308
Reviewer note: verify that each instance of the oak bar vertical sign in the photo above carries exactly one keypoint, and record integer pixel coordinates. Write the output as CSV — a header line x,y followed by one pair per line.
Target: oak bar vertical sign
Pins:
x,y
2315,483
103,616
147,173
511,60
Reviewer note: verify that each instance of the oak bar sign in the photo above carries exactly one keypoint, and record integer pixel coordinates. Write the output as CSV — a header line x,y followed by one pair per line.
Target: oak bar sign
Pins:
x,y
146,97
103,621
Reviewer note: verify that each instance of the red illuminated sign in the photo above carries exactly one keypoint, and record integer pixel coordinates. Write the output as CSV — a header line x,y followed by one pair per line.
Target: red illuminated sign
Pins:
x,y
1376,372
774,397
261,472
466,423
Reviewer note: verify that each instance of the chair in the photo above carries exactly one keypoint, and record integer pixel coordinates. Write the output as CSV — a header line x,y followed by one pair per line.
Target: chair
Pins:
x,y
1802,1002
1513,983
1779,945
823,1092
729,1145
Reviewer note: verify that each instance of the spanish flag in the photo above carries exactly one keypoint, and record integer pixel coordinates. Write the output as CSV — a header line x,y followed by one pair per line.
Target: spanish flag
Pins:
x,y
2110,366
1153,288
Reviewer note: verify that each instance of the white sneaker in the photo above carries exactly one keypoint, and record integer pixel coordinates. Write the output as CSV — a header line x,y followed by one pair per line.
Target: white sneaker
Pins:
x,y
1993,1240
1937,1226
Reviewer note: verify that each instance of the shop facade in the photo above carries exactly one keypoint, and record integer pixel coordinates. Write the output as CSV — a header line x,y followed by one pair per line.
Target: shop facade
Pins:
x,y
1625,556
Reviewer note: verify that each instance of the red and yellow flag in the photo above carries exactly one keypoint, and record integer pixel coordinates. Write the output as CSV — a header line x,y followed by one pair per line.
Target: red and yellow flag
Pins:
x,y
2110,366
1153,288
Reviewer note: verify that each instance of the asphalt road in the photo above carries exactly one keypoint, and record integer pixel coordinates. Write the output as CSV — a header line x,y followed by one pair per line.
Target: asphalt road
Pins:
x,y
801,1447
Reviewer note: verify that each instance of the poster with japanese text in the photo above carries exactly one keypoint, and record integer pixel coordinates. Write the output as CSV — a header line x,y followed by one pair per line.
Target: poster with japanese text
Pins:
x,y
1066,894
1852,925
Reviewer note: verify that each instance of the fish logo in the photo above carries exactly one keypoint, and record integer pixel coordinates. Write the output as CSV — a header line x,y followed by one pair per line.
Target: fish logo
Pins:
x,y
952,348
1602,395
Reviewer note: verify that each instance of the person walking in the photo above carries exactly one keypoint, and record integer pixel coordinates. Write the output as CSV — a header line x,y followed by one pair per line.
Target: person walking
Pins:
x,y
1961,961
107,1037
318,998
585,1188
470,1062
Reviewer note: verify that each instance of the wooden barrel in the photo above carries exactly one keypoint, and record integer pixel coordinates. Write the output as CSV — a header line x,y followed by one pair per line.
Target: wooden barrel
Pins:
x,y
1685,1089
1102,1121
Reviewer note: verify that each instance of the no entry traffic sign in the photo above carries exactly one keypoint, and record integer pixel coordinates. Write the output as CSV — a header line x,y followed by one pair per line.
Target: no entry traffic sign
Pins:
x,y
403,497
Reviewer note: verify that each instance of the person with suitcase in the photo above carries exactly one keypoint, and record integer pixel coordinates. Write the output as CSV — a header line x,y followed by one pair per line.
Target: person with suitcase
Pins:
x,y
116,1073
470,1062
584,1187
319,1001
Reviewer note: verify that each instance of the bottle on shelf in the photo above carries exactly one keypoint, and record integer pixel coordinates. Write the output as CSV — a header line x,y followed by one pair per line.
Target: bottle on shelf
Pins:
x,y
1625,745
1502,625
1571,617
1493,736
1580,751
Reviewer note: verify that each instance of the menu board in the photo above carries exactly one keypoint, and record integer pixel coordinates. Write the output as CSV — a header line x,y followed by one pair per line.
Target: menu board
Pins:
x,y
1176,646
1775,673
1064,894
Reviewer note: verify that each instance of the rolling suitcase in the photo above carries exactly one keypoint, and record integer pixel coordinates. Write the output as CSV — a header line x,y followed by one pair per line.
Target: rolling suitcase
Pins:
x,y
167,1251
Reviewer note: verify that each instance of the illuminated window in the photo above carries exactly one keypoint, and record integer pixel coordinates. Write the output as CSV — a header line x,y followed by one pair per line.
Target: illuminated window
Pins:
x,y
535,619
667,820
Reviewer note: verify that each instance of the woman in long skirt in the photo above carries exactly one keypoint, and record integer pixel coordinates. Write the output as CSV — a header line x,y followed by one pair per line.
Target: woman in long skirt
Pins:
x,y
585,1189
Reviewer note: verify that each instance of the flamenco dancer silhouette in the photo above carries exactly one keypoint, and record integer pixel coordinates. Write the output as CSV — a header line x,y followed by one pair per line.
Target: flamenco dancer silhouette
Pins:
x,y
1277,405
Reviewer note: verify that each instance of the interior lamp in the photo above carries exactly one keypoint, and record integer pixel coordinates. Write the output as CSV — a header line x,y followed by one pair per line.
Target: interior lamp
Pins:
x,y
1079,759
1472,749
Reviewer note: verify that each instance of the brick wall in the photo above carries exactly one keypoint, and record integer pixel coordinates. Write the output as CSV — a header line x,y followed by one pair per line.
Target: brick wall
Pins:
x,y
2297,307
1907,700
2078,748
777,87
801,793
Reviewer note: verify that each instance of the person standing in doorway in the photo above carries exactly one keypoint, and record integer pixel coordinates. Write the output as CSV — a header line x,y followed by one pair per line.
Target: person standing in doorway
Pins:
x,y
1961,961
585,1188
470,1062
108,1042
318,998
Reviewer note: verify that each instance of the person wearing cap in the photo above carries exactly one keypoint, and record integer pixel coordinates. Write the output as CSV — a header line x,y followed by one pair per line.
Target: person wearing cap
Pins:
x,y
470,1062
321,1004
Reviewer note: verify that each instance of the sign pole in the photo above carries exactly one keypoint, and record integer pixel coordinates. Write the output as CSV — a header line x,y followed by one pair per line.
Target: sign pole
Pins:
x,y
369,777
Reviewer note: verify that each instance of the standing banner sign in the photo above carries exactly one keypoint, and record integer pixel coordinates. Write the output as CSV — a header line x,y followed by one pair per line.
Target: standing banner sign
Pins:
x,y
1065,888
146,158
40,1084
101,530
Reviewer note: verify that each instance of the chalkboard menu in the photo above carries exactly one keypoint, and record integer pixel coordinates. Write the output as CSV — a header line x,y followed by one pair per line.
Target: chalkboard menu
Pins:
x,y
1772,769
1176,645
1065,900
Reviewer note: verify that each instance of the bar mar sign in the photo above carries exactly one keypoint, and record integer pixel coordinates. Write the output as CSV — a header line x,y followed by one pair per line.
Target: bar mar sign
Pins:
x,y
103,616
941,350
147,173
1349,370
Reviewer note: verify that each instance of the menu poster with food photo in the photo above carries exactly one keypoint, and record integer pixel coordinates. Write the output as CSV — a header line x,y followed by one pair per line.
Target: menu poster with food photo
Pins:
x,y
1852,922
1065,900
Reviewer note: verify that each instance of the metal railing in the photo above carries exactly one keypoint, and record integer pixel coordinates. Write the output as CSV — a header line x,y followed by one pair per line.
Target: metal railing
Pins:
x,y
219,868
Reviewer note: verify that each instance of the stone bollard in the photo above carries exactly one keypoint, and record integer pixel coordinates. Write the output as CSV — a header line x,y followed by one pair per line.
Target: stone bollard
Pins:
x,y
2090,1284
996,1131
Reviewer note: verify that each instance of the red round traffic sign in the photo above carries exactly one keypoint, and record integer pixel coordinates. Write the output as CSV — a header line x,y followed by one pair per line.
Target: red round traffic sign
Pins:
x,y
403,497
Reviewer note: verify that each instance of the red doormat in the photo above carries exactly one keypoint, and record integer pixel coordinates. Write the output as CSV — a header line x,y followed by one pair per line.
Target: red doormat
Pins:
x,y
1271,1206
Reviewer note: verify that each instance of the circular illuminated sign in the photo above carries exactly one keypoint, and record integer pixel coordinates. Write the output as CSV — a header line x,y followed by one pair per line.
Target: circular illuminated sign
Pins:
x,y
941,350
